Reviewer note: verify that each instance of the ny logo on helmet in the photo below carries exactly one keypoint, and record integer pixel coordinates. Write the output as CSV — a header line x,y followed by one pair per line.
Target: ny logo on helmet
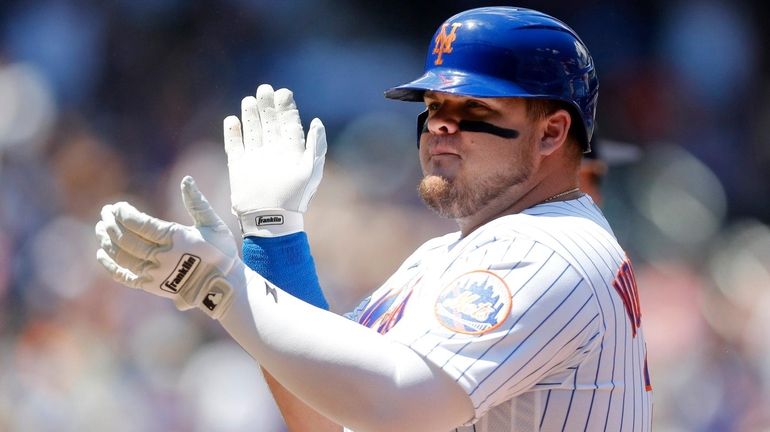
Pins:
x,y
444,42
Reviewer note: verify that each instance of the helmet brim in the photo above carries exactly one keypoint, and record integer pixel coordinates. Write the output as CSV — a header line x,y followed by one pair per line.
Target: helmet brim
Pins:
x,y
458,83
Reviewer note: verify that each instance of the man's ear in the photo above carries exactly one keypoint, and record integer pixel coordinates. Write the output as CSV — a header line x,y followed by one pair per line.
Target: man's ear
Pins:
x,y
555,131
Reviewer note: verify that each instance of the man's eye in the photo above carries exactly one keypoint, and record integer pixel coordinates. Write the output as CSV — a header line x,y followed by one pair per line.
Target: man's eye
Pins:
x,y
474,104
433,106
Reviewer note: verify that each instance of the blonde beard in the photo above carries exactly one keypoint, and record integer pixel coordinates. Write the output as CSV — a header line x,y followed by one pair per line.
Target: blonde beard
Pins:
x,y
452,200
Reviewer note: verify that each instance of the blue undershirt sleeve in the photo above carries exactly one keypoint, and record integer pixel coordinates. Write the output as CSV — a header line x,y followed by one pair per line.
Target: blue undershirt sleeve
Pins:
x,y
286,261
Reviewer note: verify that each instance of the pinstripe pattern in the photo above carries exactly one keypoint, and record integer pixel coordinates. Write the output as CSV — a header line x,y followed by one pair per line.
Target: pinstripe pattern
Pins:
x,y
565,357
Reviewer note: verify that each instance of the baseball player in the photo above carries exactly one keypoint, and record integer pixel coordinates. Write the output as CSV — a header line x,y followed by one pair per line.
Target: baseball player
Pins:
x,y
526,319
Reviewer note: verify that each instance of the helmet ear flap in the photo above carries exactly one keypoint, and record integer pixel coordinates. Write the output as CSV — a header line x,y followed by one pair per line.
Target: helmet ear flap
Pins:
x,y
422,125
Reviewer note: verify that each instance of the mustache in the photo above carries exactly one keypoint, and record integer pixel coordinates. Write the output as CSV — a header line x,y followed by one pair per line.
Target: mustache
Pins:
x,y
468,126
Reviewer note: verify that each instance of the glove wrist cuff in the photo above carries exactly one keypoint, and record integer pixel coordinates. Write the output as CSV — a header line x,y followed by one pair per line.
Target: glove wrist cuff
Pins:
x,y
270,222
211,290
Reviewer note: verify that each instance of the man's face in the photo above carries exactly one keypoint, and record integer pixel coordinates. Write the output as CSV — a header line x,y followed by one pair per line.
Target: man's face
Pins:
x,y
464,170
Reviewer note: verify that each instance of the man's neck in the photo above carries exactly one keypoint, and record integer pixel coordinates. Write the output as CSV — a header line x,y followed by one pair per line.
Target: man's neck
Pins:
x,y
504,206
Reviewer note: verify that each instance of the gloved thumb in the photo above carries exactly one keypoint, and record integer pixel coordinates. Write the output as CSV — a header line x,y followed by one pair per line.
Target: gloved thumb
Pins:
x,y
197,205
315,154
316,140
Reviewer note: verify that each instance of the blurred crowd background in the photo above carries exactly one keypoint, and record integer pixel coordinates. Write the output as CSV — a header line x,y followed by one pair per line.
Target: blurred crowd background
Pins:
x,y
116,100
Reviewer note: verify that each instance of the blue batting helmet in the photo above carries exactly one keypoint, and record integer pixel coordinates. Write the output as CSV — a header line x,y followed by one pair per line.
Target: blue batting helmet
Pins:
x,y
509,52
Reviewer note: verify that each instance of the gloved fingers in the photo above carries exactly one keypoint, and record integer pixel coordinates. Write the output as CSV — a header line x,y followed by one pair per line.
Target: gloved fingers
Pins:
x,y
233,138
288,116
315,151
316,139
103,238
108,218
118,273
109,233
252,128
314,156
284,100
125,260
119,243
267,116
143,225
198,206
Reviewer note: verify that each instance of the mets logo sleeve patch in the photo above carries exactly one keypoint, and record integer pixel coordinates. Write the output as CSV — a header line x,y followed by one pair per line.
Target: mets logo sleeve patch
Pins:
x,y
474,303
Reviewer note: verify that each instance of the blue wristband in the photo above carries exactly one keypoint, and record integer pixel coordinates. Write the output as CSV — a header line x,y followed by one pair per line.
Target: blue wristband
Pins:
x,y
286,261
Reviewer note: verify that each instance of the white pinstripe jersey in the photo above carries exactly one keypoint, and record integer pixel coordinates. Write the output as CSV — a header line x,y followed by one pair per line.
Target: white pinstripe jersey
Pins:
x,y
536,315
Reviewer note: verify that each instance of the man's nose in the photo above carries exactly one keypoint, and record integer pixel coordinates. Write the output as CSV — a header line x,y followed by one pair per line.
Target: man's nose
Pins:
x,y
443,122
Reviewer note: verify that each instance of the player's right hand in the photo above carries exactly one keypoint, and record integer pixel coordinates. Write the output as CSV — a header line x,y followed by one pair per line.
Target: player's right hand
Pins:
x,y
195,266
274,170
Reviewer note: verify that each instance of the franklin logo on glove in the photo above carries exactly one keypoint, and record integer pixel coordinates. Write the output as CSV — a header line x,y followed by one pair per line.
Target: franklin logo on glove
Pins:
x,y
181,273
270,220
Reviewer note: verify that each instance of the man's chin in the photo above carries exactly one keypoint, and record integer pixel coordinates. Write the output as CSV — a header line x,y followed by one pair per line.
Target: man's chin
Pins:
x,y
437,193
435,187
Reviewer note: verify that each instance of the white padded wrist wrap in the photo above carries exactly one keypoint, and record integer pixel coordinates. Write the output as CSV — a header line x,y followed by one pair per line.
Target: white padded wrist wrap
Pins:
x,y
270,223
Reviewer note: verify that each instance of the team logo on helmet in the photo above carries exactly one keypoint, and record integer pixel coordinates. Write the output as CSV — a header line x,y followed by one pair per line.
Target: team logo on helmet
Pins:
x,y
474,303
444,42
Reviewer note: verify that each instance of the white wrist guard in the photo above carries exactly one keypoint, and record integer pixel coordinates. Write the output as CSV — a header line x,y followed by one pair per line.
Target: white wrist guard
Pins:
x,y
270,222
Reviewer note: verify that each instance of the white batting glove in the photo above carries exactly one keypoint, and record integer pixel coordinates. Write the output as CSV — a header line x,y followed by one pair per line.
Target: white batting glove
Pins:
x,y
195,266
274,171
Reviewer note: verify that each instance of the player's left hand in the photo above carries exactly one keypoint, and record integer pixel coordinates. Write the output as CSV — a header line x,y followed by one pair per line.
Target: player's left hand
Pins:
x,y
195,266
274,171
